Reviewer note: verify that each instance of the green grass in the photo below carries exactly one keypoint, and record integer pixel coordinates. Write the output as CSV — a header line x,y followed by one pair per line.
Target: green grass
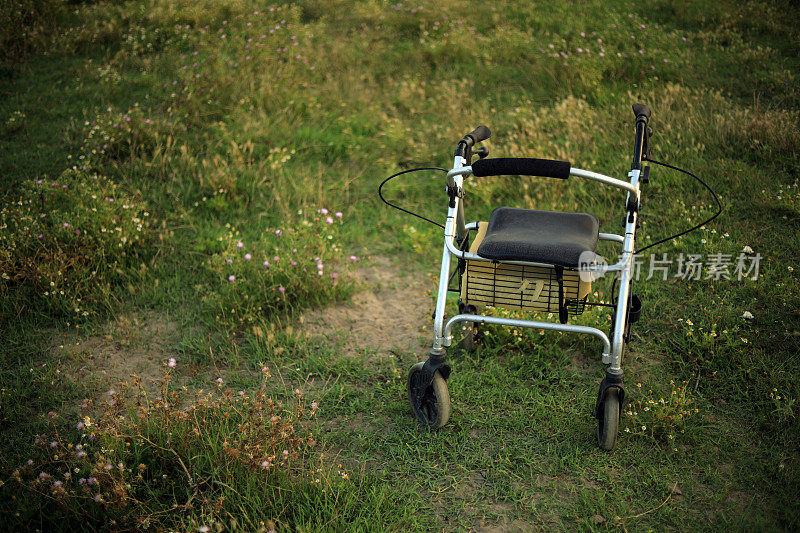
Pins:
x,y
233,146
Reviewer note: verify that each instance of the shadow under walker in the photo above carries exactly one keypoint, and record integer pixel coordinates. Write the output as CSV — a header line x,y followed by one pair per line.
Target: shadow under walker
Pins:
x,y
532,260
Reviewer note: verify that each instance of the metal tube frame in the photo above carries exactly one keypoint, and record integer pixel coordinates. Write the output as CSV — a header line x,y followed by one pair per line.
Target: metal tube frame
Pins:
x,y
456,229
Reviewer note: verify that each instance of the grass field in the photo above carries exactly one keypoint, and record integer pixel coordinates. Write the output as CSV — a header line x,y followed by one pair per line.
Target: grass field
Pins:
x,y
207,315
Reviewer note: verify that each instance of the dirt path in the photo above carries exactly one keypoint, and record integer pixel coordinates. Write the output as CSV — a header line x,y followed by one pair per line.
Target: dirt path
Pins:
x,y
132,345
391,312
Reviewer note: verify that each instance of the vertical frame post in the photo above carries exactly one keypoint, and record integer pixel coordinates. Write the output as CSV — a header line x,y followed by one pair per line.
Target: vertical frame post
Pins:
x,y
453,225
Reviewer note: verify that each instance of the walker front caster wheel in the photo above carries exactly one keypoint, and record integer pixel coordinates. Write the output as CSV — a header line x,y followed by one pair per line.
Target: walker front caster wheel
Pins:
x,y
608,420
430,402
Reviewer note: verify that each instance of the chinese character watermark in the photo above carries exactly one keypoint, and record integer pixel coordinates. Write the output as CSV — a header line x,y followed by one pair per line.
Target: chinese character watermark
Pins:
x,y
690,267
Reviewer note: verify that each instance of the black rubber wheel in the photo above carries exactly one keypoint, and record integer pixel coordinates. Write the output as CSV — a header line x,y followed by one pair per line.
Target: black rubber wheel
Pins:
x,y
430,403
608,422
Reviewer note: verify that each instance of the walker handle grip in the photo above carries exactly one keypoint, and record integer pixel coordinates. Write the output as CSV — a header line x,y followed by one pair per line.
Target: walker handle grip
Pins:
x,y
642,112
521,166
481,133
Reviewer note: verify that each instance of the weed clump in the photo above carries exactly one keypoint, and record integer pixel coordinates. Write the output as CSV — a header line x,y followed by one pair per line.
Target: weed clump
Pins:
x,y
661,419
786,196
143,459
297,265
65,241
14,122
27,26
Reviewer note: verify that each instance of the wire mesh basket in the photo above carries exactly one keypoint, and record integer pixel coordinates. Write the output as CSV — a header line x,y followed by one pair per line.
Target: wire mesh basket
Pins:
x,y
522,287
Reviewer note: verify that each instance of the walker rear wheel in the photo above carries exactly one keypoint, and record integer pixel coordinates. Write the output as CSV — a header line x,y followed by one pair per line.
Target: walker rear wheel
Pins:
x,y
608,421
430,402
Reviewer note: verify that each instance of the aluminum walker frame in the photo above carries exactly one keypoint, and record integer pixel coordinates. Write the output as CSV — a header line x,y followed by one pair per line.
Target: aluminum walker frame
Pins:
x,y
427,388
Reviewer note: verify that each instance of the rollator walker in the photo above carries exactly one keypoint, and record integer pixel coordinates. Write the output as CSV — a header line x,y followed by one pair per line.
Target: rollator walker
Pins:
x,y
531,260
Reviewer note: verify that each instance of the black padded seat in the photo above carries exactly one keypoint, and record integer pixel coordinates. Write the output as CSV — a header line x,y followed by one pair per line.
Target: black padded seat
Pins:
x,y
549,237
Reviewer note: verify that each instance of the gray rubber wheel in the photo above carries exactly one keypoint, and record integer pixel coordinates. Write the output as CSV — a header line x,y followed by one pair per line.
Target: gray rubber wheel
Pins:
x,y
608,422
430,403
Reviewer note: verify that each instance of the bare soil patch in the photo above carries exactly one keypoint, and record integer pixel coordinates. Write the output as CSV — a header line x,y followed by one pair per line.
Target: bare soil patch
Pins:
x,y
131,345
391,312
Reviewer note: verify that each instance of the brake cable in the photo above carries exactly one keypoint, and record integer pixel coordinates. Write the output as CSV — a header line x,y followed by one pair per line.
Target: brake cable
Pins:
x,y
701,224
647,158
380,193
